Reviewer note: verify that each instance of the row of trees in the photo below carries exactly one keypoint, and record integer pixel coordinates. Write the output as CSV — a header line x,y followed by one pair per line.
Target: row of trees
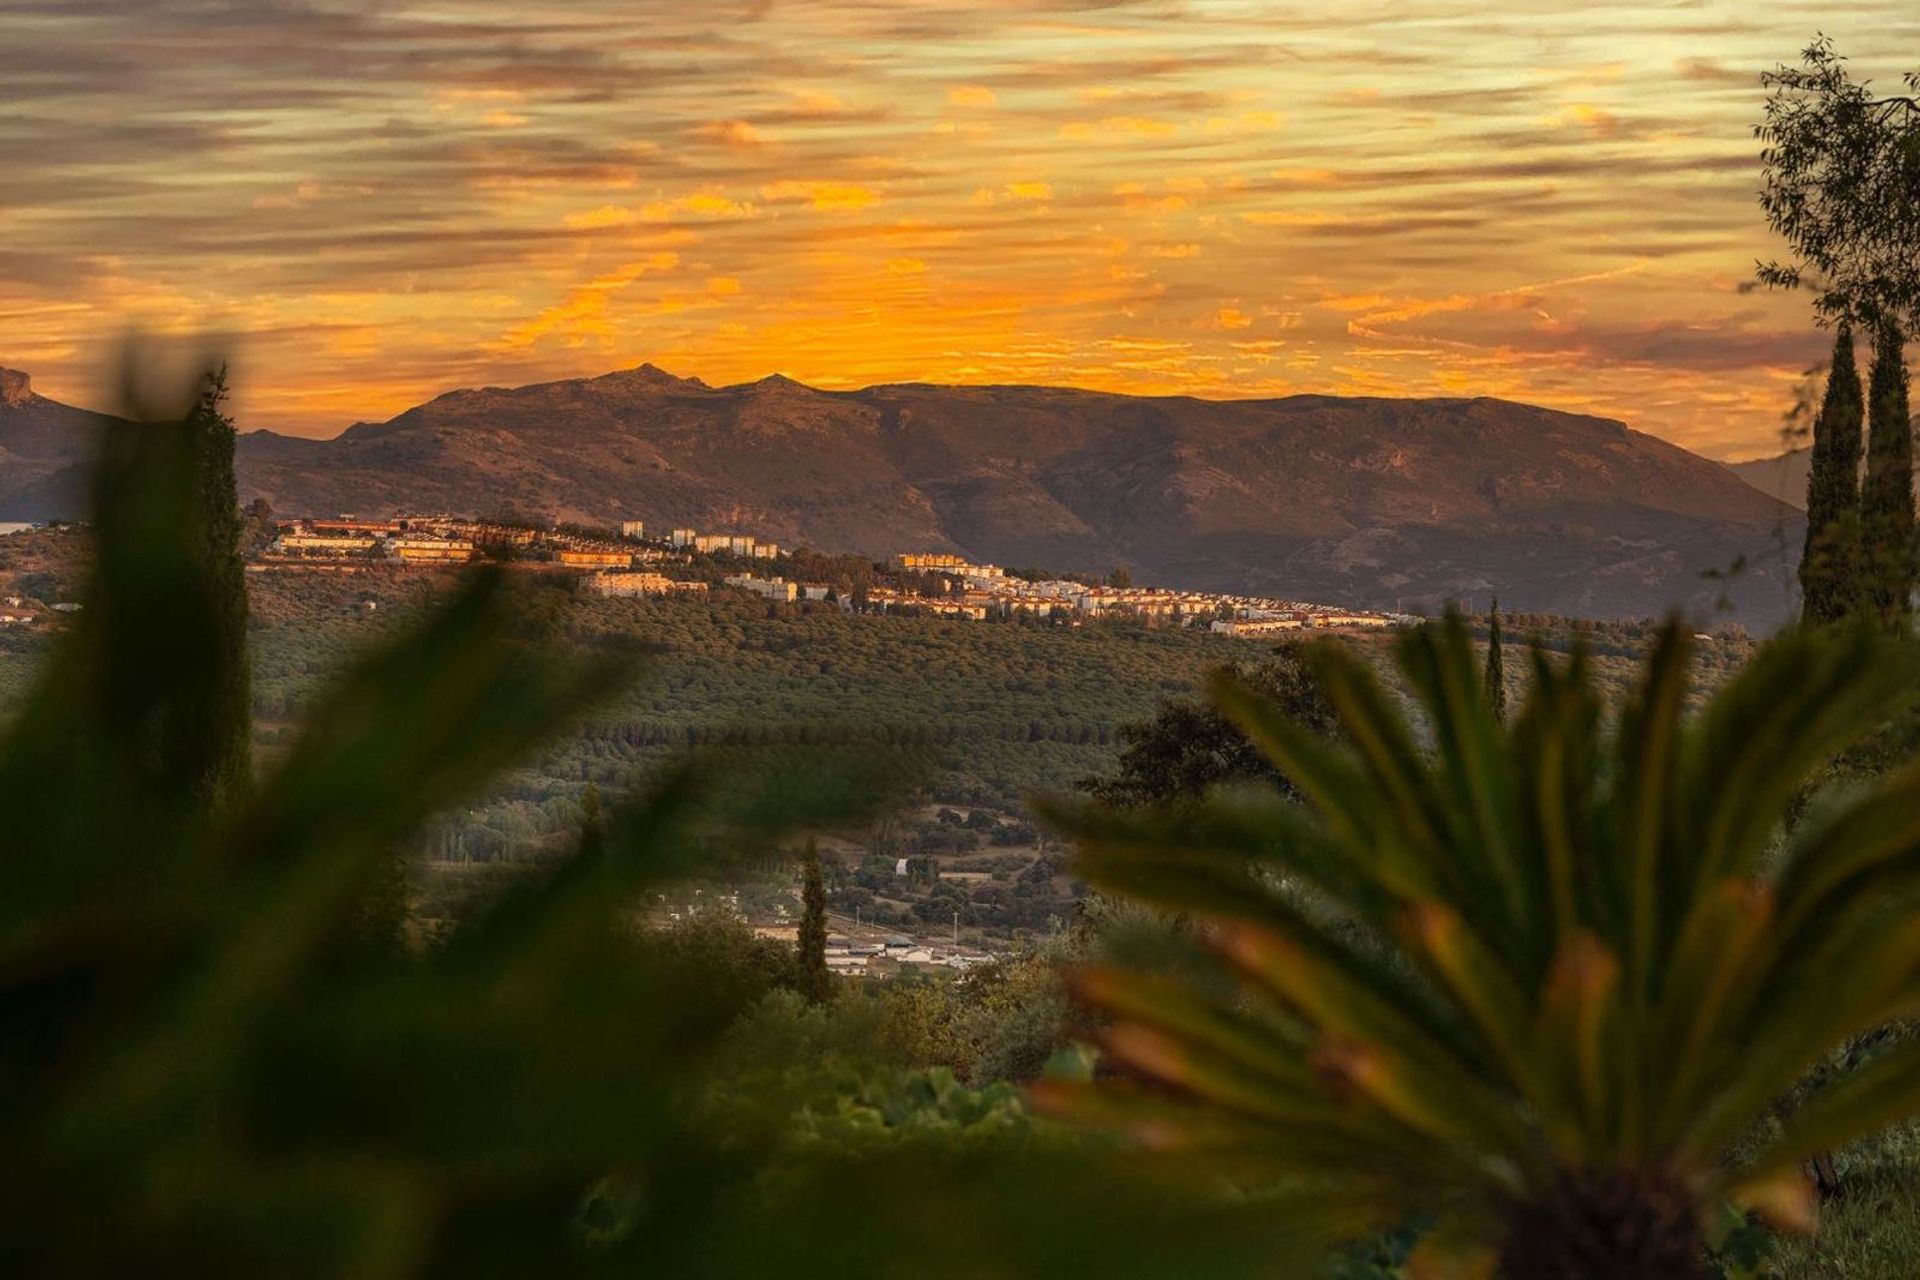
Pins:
x,y
1842,187
1860,550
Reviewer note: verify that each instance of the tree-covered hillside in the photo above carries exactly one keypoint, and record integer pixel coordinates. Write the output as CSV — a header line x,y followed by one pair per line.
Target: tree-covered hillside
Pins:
x,y
1002,708
993,712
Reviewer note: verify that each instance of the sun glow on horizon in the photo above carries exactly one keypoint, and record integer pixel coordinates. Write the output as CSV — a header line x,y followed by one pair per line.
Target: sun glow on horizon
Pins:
x,y
379,202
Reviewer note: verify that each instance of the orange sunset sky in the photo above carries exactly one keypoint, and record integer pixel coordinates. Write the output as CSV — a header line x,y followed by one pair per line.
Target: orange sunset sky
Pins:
x,y
373,201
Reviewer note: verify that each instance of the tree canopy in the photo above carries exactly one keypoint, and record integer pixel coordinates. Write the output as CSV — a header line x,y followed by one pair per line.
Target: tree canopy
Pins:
x,y
1189,747
1842,186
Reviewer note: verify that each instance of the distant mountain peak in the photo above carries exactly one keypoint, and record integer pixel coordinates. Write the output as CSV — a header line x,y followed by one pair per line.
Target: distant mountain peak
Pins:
x,y
778,382
16,388
650,374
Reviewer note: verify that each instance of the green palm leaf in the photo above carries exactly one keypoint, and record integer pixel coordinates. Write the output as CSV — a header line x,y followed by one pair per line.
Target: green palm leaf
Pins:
x,y
1572,959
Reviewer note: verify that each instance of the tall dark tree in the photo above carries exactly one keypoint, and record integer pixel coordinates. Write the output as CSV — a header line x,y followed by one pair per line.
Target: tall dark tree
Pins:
x,y
592,837
219,733
257,521
1190,747
816,984
1496,677
1829,568
1886,507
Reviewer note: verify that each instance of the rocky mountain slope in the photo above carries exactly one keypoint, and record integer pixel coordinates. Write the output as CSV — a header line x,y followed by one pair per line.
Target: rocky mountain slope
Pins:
x,y
1784,476
1364,501
44,448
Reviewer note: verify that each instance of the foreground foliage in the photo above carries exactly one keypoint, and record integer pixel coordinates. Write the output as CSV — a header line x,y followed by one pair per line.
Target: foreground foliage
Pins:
x,y
1541,985
218,1055
214,1052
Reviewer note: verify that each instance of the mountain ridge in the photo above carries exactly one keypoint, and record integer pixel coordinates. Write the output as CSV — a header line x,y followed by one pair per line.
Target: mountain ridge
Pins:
x,y
1361,500
1784,475
46,450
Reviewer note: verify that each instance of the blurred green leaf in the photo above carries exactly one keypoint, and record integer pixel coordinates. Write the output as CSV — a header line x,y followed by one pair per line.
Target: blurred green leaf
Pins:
x,y
1579,960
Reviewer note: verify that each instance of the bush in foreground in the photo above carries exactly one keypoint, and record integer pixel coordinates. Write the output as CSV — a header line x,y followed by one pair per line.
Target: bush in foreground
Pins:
x,y
1540,984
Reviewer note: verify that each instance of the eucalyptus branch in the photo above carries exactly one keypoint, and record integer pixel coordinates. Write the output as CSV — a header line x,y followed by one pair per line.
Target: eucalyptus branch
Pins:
x,y
1842,188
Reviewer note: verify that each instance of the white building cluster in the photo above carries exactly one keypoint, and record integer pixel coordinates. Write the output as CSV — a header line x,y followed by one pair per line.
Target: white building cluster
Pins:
x,y
960,588
778,590
626,585
444,539
980,591
406,541
743,545
853,958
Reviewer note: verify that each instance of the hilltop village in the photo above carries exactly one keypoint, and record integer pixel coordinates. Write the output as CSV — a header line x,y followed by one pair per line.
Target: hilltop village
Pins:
x,y
762,643
629,562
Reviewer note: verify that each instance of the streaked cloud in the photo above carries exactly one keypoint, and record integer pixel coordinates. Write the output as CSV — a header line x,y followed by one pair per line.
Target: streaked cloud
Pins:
x,y
380,199
698,204
972,95
1119,127
730,133
830,196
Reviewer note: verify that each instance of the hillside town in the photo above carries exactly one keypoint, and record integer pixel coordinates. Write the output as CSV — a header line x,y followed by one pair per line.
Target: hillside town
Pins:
x,y
856,949
628,563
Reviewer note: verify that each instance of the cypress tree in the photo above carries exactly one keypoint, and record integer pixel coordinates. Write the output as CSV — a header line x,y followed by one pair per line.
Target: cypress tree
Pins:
x,y
1496,680
1886,506
1830,586
219,734
592,842
816,984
